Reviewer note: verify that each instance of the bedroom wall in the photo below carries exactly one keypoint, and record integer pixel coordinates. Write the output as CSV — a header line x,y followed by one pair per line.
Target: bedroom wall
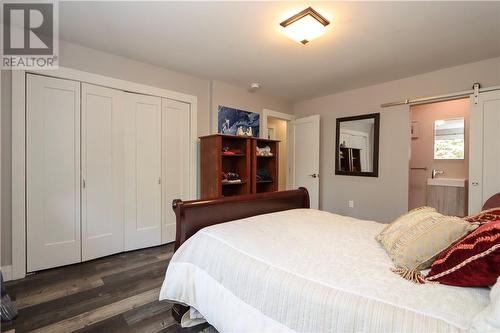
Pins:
x,y
240,98
386,197
94,61
5,167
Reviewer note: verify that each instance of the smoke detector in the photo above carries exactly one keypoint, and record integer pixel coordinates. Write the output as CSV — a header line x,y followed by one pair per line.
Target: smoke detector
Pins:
x,y
254,86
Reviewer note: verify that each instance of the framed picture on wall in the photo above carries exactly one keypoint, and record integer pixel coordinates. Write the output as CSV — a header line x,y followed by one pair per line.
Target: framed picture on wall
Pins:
x,y
237,122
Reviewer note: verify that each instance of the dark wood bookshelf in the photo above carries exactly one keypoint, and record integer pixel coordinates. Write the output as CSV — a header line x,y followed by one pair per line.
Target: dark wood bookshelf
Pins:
x,y
246,164
268,163
213,163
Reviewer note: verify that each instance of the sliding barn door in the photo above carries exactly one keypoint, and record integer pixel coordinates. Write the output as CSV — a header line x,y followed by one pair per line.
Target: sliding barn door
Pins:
x,y
484,160
52,172
176,170
102,171
142,171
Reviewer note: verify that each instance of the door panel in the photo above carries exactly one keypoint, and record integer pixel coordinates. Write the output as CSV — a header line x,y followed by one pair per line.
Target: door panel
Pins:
x,y
491,148
176,151
102,171
52,172
484,164
142,171
306,156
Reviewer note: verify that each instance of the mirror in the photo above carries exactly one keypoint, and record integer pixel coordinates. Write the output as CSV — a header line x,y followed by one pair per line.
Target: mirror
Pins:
x,y
357,145
449,139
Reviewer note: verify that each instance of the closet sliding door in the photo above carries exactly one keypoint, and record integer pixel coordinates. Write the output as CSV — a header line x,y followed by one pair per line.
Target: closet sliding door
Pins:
x,y
142,136
484,157
102,171
52,172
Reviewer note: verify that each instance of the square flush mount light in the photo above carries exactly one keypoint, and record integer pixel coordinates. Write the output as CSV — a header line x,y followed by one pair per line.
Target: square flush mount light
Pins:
x,y
305,26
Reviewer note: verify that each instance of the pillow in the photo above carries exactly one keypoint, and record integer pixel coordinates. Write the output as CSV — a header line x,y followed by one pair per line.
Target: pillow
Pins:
x,y
392,230
472,262
488,215
416,238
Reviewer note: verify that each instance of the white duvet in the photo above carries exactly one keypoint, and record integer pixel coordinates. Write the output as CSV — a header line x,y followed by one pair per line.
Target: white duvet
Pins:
x,y
311,271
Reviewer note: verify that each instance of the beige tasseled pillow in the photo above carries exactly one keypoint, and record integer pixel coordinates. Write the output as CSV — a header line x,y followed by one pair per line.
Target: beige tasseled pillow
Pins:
x,y
393,230
415,239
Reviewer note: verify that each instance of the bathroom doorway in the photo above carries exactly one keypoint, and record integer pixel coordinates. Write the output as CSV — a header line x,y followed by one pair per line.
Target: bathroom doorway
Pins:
x,y
439,161
277,129
281,126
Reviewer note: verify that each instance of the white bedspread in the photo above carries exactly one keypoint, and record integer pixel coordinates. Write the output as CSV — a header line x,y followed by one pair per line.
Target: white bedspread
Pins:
x,y
312,271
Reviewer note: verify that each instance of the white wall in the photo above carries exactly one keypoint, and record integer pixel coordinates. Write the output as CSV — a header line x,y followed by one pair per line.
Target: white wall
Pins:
x,y
385,197
94,61
5,176
240,98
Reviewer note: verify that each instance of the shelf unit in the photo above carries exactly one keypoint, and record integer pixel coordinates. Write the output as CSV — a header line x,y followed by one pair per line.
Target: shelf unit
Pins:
x,y
350,159
214,162
269,163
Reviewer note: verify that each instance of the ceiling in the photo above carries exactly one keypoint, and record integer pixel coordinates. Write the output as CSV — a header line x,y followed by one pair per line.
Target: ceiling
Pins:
x,y
241,42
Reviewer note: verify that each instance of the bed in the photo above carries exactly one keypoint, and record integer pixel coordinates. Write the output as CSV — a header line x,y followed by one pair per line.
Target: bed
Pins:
x,y
267,263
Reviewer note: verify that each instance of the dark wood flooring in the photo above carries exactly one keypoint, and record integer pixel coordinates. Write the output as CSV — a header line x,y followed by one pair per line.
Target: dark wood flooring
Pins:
x,y
118,293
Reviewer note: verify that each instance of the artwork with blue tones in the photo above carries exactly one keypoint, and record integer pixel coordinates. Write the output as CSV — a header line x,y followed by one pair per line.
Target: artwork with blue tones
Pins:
x,y
238,122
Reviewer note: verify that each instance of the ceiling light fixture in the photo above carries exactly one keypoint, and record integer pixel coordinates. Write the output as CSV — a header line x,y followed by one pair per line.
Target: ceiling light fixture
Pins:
x,y
305,26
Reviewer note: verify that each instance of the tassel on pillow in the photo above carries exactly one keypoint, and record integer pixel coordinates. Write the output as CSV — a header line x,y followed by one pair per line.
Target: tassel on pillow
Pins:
x,y
412,275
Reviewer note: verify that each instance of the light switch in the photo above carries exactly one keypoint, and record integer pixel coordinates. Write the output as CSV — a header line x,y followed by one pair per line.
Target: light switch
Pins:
x,y
351,203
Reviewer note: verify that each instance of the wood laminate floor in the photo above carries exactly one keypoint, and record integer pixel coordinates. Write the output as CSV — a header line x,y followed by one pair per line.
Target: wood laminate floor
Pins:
x,y
118,293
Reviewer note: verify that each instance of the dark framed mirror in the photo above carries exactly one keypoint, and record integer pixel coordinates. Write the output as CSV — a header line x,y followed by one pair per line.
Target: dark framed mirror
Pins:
x,y
357,145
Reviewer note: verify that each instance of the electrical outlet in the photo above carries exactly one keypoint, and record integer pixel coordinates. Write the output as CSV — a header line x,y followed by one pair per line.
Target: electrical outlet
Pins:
x,y
351,203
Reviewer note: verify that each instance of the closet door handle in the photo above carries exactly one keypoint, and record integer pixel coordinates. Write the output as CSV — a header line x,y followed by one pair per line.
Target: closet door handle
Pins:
x,y
314,175
84,183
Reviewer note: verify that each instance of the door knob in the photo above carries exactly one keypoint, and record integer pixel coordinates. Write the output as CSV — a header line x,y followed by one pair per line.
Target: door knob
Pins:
x,y
314,175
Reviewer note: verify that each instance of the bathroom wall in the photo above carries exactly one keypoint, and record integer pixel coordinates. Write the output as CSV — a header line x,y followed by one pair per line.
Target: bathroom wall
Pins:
x,y
422,148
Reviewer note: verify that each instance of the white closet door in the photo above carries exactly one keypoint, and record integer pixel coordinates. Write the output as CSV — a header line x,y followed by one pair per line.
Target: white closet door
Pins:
x,y
176,152
142,171
52,172
484,157
102,172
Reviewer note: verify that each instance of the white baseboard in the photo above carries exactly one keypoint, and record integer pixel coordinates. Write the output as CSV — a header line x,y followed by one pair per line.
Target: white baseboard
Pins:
x,y
7,272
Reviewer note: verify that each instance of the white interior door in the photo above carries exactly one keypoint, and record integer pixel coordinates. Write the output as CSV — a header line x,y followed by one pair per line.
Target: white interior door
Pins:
x,y
102,171
306,156
52,172
142,171
175,154
484,160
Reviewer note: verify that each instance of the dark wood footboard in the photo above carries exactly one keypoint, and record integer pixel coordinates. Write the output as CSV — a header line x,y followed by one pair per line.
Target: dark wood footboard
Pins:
x,y
194,215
